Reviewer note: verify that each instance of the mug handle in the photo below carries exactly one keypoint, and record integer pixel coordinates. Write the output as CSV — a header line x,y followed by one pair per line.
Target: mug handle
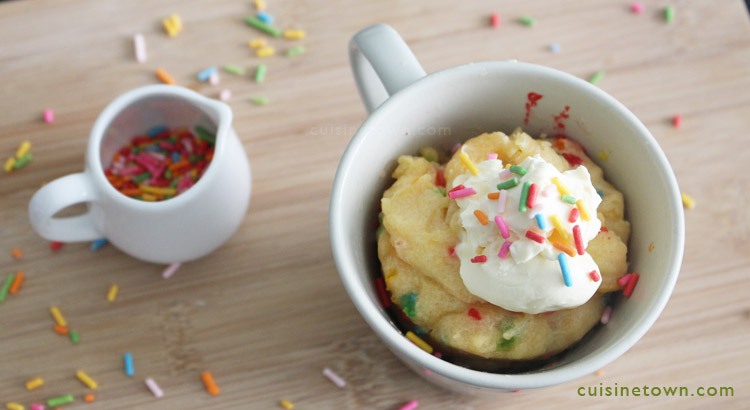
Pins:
x,y
382,64
57,195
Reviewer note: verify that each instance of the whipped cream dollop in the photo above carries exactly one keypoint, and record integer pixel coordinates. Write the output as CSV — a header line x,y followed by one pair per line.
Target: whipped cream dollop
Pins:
x,y
526,275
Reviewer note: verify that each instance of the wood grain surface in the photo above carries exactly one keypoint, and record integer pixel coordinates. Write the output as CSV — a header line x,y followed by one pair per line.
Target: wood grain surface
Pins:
x,y
267,312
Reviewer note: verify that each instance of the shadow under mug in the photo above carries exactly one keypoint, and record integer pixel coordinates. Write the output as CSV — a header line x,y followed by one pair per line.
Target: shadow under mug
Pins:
x,y
178,229
410,110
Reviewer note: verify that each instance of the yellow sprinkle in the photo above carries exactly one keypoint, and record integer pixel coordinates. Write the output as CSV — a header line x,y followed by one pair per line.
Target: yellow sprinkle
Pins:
x,y
59,318
600,373
294,34
468,164
585,215
172,25
34,383
508,165
603,155
156,190
85,379
9,163
194,173
419,342
112,294
256,43
559,228
23,149
260,5
14,406
148,197
688,201
560,186
288,405
265,52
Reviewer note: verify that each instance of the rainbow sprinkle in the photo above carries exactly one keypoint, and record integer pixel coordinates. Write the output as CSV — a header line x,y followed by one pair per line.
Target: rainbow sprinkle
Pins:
x,y
502,226
468,164
518,170
504,250
584,211
578,238
419,342
461,193
564,268
508,184
522,206
540,221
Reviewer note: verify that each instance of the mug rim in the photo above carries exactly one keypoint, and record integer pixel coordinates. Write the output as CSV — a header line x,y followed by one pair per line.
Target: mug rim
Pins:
x,y
369,310
113,109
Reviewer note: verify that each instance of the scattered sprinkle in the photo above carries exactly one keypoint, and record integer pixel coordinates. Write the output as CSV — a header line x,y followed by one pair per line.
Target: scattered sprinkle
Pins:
x,y
518,170
540,221
559,227
573,160
429,153
164,77
262,26
479,259
294,34
578,238
492,156
522,206
74,337
204,75
409,304
234,69
495,20
631,285
334,378
535,236
554,47
17,254
23,149
531,198
208,381
259,100
127,359
60,330
504,231
474,314
561,187
260,73
58,316
594,275
527,21
172,25
288,405
600,373
139,45
55,245
505,174
48,115
461,193
214,79
265,17
600,193
260,5
481,217
493,195
677,121
669,14
583,210
155,389
98,244
468,163
623,280
225,94
606,315
651,247
256,43
502,200
504,249
603,155
9,164
89,398
112,294
170,270
380,286
419,342
508,184
564,268
34,383
58,401
14,406
637,8
573,217
687,201
596,77
410,405
565,248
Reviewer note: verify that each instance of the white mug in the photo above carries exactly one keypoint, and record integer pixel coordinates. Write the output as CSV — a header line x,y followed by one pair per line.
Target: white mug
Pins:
x,y
410,110
179,229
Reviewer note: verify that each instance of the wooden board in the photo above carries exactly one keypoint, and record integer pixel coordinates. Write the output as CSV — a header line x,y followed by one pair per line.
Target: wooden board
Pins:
x,y
267,312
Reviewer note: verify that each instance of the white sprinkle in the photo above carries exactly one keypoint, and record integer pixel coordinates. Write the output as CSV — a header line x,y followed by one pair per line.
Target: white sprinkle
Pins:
x,y
140,48
334,378
213,79
554,47
155,389
501,200
171,269
505,174
606,314
225,94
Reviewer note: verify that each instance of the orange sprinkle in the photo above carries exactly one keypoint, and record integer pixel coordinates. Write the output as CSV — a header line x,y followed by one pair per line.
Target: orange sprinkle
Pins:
x,y
88,398
165,77
493,195
17,253
131,191
116,157
208,381
16,283
111,178
565,248
209,156
560,144
482,217
61,330
179,164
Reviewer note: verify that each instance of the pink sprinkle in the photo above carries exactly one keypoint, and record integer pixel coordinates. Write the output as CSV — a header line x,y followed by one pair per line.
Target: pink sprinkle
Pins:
x,y
225,94
502,226
158,155
155,389
133,169
573,217
479,259
578,240
334,378
594,275
491,156
495,20
410,405
677,121
452,251
37,406
437,354
213,79
187,144
505,174
184,184
504,250
462,193
167,145
606,314
637,8
502,200
455,148
624,280
171,269
49,115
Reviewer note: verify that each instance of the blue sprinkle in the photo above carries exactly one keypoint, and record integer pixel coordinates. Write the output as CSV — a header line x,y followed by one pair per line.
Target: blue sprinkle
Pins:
x,y
600,192
265,17
152,148
564,267
98,244
554,47
128,358
175,156
156,130
540,221
203,75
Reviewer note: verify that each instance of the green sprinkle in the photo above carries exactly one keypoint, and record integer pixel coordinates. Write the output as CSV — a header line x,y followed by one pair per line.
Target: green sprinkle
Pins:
x,y
260,73
140,178
506,343
569,199
409,303
74,337
295,51
260,25
168,197
517,169
600,192
441,191
524,196
136,150
168,174
233,69
379,231
380,217
195,158
173,184
6,286
527,21
508,184
21,162
598,76
259,100
669,14
205,134
429,153
58,401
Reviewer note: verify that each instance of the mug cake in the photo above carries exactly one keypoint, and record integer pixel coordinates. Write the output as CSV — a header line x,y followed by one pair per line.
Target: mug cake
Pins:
x,y
502,255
